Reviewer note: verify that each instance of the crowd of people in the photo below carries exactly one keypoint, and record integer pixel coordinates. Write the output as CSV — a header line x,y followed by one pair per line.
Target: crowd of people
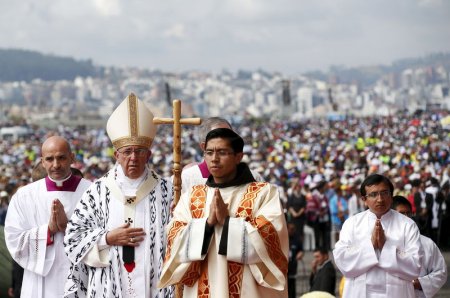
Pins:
x,y
317,155
317,165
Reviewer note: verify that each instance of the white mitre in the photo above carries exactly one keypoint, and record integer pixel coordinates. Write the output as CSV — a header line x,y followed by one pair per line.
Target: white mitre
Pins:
x,y
131,124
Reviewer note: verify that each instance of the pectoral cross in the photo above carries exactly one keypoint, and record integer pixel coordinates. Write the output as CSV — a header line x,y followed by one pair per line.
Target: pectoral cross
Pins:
x,y
177,121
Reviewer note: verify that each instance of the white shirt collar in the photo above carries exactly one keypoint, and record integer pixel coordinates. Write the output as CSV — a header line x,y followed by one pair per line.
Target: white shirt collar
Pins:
x,y
59,183
385,216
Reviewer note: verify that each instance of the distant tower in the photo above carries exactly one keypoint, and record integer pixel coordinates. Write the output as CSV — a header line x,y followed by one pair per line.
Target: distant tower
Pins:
x,y
168,96
333,104
286,95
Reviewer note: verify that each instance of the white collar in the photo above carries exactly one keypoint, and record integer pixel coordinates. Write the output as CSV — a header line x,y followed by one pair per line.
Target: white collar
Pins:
x,y
59,183
129,186
384,217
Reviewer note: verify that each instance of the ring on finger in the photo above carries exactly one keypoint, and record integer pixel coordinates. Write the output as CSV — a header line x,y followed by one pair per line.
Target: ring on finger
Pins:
x,y
131,239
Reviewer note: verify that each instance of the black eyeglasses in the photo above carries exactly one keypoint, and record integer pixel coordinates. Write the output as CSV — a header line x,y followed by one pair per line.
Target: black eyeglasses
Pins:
x,y
221,153
384,194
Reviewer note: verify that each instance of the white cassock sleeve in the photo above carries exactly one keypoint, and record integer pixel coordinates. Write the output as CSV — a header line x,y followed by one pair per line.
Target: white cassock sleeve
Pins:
x,y
26,239
239,248
353,258
192,241
434,274
98,255
404,260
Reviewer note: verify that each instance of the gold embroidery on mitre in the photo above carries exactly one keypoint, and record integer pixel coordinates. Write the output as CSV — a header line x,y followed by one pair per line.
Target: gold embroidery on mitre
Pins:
x,y
132,131
130,141
133,112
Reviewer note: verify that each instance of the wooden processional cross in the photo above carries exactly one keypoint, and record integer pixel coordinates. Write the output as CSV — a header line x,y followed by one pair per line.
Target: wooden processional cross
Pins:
x,y
177,121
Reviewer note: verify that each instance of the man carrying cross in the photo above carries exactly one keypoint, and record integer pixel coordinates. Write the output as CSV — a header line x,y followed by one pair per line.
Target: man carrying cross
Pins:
x,y
116,236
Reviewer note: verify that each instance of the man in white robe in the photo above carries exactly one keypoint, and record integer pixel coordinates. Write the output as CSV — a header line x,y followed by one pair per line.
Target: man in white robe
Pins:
x,y
228,238
433,273
37,218
116,236
378,250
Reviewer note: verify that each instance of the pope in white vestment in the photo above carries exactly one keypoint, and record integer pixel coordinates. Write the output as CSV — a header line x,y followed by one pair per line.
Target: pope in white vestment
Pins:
x,y
98,268
28,237
116,237
246,256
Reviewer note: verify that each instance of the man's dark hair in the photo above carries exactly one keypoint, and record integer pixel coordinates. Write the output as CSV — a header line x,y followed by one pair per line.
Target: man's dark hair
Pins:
x,y
415,182
236,142
446,185
375,179
434,182
322,250
400,200
77,172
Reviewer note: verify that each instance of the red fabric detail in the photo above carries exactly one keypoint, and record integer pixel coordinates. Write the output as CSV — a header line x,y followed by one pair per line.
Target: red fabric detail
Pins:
x,y
204,169
129,266
413,204
49,238
415,122
70,184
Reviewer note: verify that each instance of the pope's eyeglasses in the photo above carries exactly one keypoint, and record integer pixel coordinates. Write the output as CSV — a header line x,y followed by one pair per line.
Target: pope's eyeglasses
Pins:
x,y
138,152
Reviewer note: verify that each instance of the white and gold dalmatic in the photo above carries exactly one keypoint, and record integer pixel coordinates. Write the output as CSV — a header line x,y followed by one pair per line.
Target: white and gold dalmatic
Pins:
x,y
256,258
98,269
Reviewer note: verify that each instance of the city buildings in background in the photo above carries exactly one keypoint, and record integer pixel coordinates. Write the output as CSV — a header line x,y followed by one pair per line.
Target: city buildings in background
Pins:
x,y
90,100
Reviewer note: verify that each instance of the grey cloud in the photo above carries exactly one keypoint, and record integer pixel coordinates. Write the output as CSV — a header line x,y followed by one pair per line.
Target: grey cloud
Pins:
x,y
284,35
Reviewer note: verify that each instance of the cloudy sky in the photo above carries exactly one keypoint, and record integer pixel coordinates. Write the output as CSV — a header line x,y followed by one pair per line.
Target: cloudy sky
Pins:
x,y
290,36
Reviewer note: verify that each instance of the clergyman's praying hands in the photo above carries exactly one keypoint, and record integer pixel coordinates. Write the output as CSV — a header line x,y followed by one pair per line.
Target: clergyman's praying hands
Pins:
x,y
218,211
378,237
58,218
